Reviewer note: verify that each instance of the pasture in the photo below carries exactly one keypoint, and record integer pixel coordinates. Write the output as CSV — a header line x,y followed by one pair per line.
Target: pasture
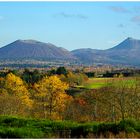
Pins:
x,y
96,83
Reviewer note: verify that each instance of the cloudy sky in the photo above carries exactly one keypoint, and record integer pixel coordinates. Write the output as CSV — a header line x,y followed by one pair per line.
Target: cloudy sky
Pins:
x,y
72,25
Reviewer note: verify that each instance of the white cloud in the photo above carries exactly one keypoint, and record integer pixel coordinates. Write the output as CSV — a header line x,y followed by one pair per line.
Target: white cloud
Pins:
x,y
67,15
119,9
135,19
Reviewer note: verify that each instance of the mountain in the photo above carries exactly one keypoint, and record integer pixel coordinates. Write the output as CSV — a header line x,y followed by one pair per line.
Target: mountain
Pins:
x,y
127,52
32,49
88,55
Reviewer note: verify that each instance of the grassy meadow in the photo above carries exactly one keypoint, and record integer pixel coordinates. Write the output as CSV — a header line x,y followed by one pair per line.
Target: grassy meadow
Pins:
x,y
97,83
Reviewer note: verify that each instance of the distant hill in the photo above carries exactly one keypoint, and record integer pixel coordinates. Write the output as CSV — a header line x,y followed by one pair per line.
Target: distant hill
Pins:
x,y
89,56
127,52
32,49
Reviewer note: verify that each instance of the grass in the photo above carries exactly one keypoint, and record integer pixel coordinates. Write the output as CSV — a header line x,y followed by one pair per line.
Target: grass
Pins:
x,y
96,83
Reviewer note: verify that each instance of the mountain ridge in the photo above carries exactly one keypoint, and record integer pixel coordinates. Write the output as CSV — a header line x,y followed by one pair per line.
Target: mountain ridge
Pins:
x,y
126,52
33,49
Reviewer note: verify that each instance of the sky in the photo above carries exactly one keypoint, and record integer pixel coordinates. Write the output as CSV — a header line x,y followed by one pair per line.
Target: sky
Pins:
x,y
71,25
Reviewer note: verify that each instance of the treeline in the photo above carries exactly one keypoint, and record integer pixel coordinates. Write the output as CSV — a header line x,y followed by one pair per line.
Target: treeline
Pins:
x,y
33,76
112,74
49,96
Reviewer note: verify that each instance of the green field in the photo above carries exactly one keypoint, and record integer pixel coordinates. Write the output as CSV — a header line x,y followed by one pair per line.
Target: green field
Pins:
x,y
96,83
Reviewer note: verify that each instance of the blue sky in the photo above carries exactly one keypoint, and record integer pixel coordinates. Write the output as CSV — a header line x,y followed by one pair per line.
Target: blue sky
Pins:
x,y
72,25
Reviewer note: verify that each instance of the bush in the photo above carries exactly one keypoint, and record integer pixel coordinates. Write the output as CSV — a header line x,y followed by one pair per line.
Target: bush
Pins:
x,y
83,130
127,125
137,127
8,132
105,127
14,127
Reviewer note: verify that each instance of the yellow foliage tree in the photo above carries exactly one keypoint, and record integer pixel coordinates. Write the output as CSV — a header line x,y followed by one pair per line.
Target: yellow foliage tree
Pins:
x,y
15,86
50,94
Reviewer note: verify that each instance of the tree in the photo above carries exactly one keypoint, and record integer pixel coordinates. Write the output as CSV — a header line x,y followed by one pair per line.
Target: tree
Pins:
x,y
50,95
15,72
26,76
61,70
14,96
74,79
11,105
31,77
51,72
15,86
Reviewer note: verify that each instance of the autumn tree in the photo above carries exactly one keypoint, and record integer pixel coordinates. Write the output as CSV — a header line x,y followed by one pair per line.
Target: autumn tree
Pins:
x,y
120,100
128,97
76,110
13,88
50,95
74,79
11,105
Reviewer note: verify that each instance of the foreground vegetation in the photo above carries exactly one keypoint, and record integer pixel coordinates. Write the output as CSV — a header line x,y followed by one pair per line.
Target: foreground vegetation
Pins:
x,y
14,127
67,104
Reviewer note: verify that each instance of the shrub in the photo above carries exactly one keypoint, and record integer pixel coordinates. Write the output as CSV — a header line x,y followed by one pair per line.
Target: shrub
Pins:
x,y
127,125
105,127
20,132
14,127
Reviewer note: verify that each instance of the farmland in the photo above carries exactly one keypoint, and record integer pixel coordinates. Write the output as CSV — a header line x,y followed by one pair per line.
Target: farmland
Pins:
x,y
96,83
